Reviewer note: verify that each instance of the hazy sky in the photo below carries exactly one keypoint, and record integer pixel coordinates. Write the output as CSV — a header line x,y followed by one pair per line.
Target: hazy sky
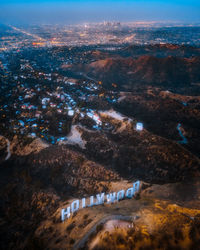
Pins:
x,y
68,11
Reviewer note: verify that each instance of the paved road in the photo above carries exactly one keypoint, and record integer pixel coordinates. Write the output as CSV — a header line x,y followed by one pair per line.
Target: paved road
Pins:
x,y
27,33
184,139
82,241
8,148
89,78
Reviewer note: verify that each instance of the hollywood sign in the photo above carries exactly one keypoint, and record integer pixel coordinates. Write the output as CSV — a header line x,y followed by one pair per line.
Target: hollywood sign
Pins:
x,y
100,199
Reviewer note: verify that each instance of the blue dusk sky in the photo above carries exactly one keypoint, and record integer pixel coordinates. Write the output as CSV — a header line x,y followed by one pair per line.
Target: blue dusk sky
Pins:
x,y
78,11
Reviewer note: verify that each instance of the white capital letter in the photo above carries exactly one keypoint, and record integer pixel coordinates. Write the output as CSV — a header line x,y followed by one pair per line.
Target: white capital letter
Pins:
x,y
65,213
83,202
100,199
120,193
75,206
129,193
91,201
111,197
136,186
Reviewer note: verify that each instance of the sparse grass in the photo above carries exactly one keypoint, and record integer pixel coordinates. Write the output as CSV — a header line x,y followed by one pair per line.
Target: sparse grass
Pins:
x,y
71,226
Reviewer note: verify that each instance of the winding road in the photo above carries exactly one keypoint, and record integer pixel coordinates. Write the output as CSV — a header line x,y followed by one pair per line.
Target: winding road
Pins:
x,y
89,78
84,239
184,139
8,147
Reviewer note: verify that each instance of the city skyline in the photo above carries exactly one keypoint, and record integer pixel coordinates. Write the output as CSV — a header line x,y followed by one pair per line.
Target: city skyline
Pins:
x,y
70,12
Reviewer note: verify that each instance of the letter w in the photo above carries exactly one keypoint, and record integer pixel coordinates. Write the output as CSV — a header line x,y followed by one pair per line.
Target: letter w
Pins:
x,y
111,197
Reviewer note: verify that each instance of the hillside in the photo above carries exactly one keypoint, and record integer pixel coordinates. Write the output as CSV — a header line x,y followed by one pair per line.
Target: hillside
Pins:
x,y
127,72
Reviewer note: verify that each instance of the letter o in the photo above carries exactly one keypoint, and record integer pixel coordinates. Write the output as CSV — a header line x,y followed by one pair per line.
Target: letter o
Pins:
x,y
75,206
120,195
